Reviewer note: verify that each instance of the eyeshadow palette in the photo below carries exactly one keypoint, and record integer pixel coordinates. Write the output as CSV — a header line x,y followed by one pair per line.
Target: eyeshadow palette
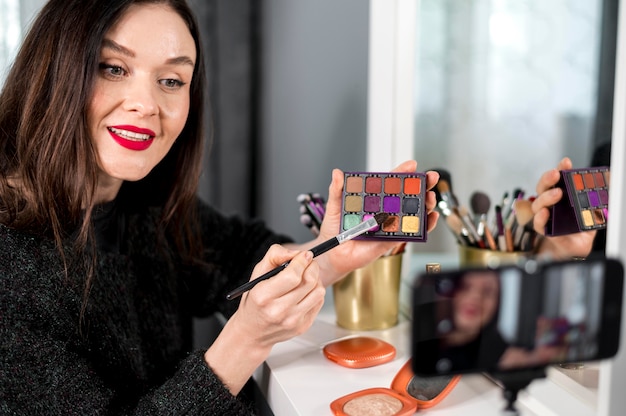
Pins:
x,y
585,202
401,195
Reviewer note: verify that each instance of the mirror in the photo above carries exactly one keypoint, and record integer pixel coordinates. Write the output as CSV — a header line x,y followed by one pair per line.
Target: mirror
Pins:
x,y
514,317
503,91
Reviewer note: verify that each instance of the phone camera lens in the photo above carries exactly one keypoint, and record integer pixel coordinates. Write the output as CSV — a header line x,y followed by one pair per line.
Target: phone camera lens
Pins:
x,y
444,326
443,365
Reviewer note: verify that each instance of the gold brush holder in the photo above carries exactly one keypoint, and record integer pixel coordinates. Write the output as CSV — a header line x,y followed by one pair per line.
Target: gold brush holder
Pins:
x,y
368,298
480,257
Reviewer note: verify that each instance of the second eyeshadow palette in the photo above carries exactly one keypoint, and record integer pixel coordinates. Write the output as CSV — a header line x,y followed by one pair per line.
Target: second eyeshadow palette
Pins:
x,y
401,195
585,202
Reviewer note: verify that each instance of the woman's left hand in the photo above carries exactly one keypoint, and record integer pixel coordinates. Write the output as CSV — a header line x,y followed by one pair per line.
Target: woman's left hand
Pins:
x,y
357,253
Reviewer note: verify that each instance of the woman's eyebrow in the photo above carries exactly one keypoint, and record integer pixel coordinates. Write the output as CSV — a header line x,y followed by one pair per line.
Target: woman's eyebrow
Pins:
x,y
180,60
116,47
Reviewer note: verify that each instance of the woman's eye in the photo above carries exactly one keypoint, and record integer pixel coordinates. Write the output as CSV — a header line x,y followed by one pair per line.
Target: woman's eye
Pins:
x,y
171,83
113,71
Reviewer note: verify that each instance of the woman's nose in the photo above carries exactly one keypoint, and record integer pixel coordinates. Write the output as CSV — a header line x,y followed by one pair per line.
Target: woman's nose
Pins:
x,y
141,98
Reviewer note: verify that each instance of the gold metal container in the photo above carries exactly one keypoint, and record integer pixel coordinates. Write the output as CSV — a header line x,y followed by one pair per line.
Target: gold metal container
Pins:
x,y
480,257
368,298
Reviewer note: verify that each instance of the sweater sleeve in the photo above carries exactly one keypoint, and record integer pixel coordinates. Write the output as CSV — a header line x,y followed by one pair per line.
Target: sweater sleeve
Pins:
x,y
40,376
48,367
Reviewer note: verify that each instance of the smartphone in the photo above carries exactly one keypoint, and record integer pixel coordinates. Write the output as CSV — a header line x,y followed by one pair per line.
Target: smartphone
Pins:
x,y
516,317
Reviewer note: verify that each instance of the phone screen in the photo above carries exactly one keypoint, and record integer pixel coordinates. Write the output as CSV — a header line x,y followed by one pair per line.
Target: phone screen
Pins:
x,y
482,320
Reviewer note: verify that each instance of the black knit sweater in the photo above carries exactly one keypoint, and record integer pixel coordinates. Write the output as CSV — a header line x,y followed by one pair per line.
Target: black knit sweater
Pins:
x,y
132,354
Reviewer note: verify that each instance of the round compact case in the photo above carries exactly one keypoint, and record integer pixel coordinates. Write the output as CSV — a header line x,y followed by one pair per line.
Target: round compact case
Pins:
x,y
377,401
360,352
408,394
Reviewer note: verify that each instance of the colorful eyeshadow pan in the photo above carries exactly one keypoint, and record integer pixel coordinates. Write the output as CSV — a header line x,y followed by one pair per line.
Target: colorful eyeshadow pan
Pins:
x,y
585,203
401,195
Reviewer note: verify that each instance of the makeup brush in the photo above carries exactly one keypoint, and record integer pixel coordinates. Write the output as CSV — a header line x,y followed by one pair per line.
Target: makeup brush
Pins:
x,y
443,189
468,224
313,205
307,221
507,211
341,238
525,231
503,202
461,233
501,238
480,204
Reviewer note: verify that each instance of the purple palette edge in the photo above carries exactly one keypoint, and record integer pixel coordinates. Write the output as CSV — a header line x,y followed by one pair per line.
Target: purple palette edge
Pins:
x,y
399,194
584,206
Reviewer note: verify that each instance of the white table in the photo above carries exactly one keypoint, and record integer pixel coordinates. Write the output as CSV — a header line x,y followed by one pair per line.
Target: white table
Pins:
x,y
297,379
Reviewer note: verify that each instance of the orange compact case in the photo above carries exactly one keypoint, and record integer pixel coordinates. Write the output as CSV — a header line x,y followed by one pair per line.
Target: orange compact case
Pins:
x,y
360,352
384,401
426,391
408,393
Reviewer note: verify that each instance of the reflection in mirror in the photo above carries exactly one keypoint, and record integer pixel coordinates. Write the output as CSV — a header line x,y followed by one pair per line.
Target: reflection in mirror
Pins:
x,y
504,90
476,320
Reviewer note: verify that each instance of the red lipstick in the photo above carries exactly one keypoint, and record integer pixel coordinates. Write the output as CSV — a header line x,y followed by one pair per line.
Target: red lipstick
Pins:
x,y
132,137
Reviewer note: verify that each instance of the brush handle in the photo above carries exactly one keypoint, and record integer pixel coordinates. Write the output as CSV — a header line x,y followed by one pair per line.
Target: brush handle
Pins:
x,y
317,250
252,283
324,247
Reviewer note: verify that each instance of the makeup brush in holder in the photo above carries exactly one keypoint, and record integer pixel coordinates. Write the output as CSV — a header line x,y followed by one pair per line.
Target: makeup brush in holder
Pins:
x,y
508,238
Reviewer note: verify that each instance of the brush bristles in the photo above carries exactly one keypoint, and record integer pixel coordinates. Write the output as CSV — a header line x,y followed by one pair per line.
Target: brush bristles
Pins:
x,y
480,203
381,217
443,186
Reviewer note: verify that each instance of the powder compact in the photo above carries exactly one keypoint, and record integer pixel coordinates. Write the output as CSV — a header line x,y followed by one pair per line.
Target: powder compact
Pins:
x,y
585,202
359,352
401,195
408,394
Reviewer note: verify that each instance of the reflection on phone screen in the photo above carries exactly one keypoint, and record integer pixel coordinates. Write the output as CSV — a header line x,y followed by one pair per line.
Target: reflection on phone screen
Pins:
x,y
501,319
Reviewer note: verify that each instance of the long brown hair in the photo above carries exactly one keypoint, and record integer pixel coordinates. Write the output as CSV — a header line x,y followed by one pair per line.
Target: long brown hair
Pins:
x,y
48,163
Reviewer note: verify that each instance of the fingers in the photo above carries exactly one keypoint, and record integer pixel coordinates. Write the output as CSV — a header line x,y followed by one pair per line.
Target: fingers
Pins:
x,y
564,164
540,207
275,256
333,206
551,177
547,194
548,180
433,217
406,166
540,219
432,178
298,279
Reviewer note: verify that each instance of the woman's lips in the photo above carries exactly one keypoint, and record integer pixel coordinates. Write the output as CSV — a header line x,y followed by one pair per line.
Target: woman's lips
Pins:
x,y
132,138
470,311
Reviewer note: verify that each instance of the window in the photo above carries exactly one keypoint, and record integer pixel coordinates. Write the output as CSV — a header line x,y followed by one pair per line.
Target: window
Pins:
x,y
15,16
10,32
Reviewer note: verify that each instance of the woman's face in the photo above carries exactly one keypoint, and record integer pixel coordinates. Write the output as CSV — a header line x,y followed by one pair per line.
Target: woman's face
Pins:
x,y
141,96
475,301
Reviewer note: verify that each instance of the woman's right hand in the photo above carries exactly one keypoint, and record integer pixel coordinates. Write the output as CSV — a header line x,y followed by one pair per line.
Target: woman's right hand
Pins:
x,y
275,310
559,247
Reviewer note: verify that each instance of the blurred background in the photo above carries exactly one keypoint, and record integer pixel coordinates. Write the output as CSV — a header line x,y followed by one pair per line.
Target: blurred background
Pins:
x,y
493,91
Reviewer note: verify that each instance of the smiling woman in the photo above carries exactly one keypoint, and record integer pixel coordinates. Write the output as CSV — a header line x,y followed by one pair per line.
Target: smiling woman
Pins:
x,y
141,94
107,253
